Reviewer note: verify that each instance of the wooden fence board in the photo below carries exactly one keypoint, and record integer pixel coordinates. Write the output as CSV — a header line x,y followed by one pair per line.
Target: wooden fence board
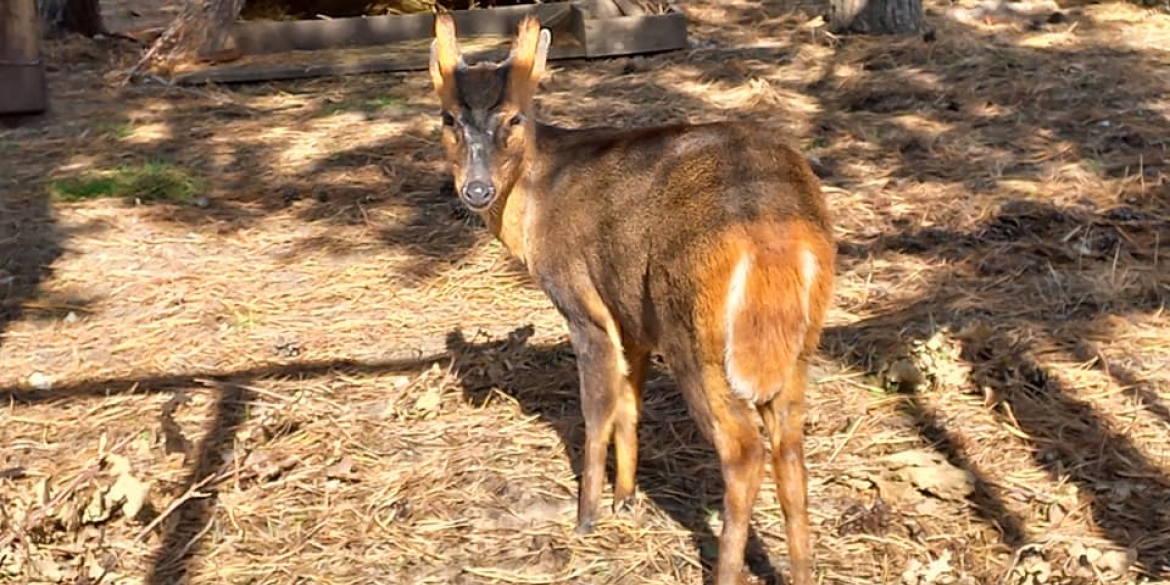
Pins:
x,y
578,32
263,37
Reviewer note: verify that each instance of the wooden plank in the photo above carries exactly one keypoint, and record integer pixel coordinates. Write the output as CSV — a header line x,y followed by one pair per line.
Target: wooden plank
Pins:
x,y
403,42
23,89
265,37
244,73
631,35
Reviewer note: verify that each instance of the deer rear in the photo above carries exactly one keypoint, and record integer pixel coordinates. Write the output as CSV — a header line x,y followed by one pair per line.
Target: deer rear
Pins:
x,y
709,244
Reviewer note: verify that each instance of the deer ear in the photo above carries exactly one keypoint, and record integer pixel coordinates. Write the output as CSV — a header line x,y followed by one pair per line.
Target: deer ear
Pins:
x,y
528,58
538,61
446,57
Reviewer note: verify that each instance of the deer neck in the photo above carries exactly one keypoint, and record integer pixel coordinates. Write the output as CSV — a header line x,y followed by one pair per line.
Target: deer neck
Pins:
x,y
510,221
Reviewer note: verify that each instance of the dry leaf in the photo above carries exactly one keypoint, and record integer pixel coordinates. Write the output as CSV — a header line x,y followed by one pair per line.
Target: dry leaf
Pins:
x,y
429,402
912,572
127,494
342,470
1056,514
895,490
937,572
1032,569
855,482
930,472
1083,554
97,510
266,468
131,492
1116,561
938,567
128,491
11,564
46,569
1113,562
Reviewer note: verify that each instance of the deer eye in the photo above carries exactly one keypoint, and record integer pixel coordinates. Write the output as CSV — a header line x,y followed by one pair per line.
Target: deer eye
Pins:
x,y
515,120
448,119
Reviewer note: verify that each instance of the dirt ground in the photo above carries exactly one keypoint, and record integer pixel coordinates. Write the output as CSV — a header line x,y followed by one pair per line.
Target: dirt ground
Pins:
x,y
247,336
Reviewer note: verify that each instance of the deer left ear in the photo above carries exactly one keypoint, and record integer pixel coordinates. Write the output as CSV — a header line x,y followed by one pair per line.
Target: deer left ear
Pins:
x,y
528,58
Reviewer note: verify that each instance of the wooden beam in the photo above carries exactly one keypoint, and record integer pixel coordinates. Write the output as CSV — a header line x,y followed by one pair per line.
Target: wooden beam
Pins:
x,y
401,43
265,37
24,89
367,63
631,35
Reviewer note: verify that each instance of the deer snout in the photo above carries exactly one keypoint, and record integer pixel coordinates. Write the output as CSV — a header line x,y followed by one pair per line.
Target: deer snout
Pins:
x,y
478,194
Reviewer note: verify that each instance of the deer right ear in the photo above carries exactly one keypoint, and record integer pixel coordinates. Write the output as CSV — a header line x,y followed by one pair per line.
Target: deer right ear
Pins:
x,y
528,58
446,57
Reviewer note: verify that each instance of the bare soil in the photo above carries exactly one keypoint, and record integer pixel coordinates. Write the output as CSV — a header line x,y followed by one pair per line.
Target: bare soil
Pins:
x,y
248,336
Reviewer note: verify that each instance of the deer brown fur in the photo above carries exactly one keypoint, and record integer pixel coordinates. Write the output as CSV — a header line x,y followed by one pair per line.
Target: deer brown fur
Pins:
x,y
710,244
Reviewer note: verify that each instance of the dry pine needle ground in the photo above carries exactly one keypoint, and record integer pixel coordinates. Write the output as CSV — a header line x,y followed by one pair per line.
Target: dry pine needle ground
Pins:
x,y
247,337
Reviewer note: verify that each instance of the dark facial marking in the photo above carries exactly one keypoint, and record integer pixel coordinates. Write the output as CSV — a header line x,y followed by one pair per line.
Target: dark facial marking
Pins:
x,y
482,87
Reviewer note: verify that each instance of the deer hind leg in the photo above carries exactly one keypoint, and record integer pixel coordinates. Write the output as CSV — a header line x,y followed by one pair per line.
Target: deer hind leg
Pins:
x,y
628,411
729,424
601,370
784,419
774,310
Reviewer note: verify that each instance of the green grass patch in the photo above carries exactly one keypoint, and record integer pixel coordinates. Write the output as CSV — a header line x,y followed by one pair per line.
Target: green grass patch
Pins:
x,y
152,181
815,143
115,129
367,106
385,102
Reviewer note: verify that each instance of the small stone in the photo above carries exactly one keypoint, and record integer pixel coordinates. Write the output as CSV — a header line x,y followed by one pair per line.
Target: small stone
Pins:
x,y
40,381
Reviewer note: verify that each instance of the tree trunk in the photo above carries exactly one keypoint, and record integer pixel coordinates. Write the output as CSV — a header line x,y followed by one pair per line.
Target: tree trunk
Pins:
x,y
76,16
875,17
24,90
199,33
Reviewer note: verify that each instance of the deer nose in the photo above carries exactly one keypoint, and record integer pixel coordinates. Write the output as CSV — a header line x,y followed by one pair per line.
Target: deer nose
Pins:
x,y
478,193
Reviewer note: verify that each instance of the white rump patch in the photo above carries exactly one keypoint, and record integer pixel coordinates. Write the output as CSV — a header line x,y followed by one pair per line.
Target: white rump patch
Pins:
x,y
736,295
808,276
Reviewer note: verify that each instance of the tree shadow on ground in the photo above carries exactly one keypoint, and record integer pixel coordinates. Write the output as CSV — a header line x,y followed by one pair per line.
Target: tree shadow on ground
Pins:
x,y
983,301
1025,240
192,519
30,241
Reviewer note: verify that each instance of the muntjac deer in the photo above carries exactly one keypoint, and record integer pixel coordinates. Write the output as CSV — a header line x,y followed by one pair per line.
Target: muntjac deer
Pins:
x,y
709,244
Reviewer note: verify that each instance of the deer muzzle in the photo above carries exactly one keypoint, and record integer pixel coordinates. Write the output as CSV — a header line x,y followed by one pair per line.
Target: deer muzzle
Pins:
x,y
478,192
